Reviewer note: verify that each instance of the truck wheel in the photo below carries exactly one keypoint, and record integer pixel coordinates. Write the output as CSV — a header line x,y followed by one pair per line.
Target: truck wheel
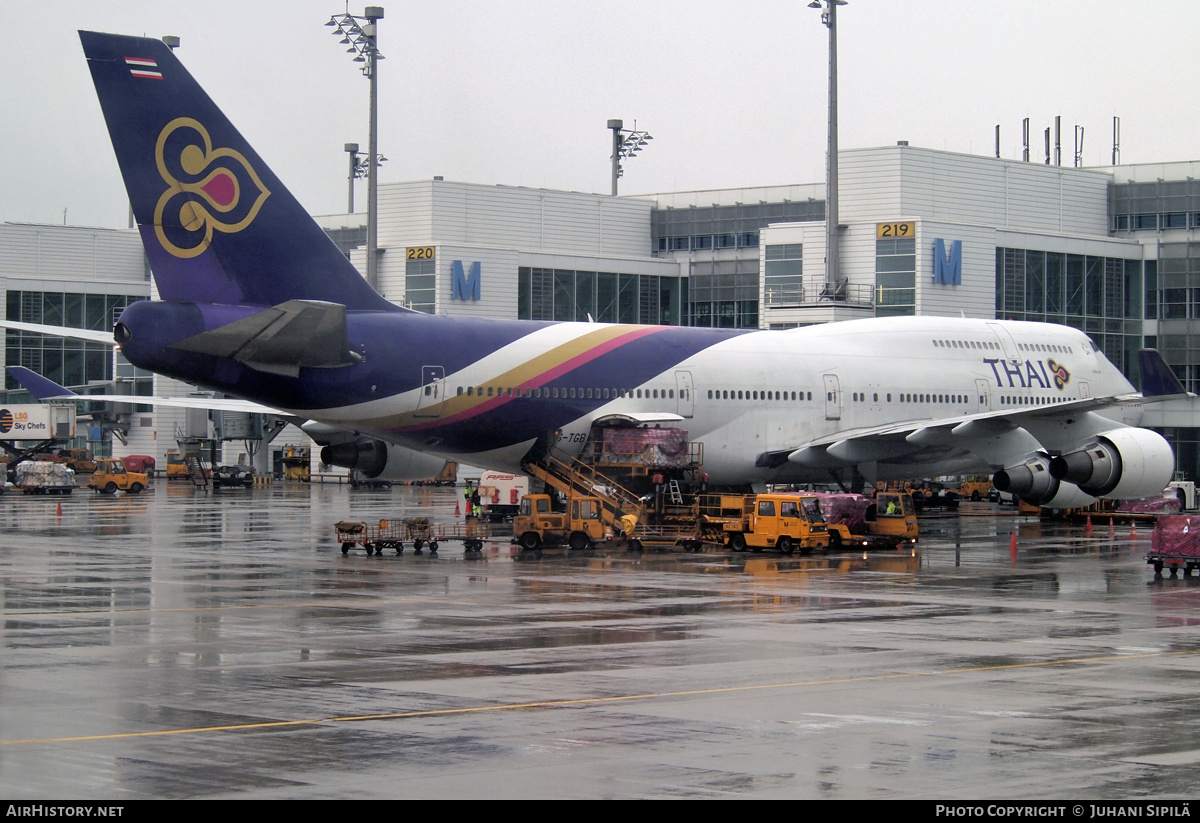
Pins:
x,y
635,545
737,542
111,488
530,541
785,545
136,488
433,545
346,547
835,541
975,496
579,541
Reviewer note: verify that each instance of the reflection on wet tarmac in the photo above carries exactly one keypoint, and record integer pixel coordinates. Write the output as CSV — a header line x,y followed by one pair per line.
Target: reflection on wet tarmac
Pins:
x,y
183,644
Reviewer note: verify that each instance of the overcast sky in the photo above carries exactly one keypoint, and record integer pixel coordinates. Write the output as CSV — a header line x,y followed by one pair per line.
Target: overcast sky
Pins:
x,y
518,92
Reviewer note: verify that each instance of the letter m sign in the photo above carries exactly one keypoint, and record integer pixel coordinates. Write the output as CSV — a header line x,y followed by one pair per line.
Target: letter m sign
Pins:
x,y
947,268
463,287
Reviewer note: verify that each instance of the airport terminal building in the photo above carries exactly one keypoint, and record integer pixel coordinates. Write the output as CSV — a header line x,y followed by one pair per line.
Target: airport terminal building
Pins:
x,y
921,232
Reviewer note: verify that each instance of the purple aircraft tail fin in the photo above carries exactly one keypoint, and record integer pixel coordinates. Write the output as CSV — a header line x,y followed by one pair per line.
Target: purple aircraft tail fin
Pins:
x,y
217,225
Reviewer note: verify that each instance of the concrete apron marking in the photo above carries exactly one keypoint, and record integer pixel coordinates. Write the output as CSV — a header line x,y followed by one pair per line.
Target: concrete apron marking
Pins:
x,y
585,701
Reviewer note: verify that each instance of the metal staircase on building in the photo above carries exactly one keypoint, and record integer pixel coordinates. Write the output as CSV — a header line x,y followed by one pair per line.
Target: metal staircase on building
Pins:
x,y
196,471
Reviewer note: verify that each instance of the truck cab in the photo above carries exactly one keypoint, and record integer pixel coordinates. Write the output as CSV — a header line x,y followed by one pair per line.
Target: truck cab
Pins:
x,y
786,521
538,523
176,465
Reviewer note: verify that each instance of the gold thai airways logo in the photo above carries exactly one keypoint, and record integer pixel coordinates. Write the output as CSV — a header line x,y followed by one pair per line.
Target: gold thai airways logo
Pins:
x,y
1061,376
207,189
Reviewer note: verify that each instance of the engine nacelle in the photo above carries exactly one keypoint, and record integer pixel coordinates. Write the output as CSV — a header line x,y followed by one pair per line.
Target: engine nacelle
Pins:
x,y
1069,497
384,461
1122,464
1031,481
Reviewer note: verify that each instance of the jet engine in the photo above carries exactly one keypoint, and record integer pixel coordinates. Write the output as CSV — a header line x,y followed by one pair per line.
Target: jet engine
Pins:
x,y
1031,481
386,461
1122,463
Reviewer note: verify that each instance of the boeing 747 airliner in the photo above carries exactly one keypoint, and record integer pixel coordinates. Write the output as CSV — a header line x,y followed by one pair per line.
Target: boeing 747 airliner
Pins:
x,y
258,303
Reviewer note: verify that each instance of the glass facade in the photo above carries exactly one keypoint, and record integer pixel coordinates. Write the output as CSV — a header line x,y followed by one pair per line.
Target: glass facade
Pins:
x,y
724,293
72,363
895,276
606,297
725,227
783,280
1102,296
723,278
420,285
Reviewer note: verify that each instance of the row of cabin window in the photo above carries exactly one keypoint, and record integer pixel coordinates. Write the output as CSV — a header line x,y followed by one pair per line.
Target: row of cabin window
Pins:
x,y
988,344
1008,400
733,394
962,398
555,393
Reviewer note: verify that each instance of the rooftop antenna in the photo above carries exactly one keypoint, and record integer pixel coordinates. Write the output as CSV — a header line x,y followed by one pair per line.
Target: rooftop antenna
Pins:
x,y
1047,145
1116,159
997,141
1058,139
1078,146
1025,138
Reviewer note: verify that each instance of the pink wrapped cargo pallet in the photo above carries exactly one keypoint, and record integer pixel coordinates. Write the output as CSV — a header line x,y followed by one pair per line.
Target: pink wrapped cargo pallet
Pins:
x,y
1175,544
1166,502
657,448
849,510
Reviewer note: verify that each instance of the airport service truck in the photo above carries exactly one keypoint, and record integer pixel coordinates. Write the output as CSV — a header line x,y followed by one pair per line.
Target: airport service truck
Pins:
x,y
783,520
500,494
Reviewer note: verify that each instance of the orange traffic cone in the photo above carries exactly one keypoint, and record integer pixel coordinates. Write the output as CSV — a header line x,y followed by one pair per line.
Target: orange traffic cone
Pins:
x,y
1133,530
1088,527
1110,527
1012,548
457,510
60,508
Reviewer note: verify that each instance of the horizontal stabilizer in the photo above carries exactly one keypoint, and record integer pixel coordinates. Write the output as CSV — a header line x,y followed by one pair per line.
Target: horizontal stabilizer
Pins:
x,y
90,335
282,339
43,388
1157,378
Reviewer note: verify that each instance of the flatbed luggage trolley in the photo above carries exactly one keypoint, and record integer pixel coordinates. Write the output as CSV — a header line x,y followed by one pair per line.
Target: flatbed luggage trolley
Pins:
x,y
392,534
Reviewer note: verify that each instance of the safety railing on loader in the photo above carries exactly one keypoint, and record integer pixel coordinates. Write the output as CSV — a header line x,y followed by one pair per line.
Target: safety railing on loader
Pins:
x,y
578,478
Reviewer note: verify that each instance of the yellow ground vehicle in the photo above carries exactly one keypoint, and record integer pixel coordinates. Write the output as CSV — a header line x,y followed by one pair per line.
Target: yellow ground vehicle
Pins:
x,y
786,521
890,520
111,475
296,463
973,488
537,524
176,465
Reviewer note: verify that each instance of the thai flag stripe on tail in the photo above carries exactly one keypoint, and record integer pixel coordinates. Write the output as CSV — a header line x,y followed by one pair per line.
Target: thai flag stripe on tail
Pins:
x,y
143,67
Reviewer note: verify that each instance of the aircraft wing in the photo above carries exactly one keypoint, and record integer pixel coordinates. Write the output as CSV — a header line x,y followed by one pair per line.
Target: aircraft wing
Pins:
x,y
994,436
45,389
